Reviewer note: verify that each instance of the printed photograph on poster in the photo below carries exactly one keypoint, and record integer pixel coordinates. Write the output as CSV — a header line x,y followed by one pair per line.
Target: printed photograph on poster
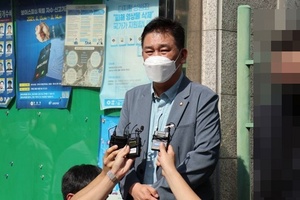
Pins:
x,y
1,67
1,29
2,85
9,84
8,48
7,59
40,56
1,47
84,45
9,29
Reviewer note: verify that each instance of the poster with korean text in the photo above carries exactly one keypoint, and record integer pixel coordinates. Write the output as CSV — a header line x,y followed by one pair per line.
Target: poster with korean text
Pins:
x,y
40,53
84,45
123,63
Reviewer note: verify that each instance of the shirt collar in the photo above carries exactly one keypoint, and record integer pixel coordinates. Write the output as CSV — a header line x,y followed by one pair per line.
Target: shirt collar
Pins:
x,y
170,93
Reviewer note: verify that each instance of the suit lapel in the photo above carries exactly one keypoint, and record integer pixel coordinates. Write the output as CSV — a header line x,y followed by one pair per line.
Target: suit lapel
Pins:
x,y
145,108
180,103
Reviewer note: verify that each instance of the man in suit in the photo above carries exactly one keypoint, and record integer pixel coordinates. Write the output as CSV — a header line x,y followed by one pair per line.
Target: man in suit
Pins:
x,y
172,104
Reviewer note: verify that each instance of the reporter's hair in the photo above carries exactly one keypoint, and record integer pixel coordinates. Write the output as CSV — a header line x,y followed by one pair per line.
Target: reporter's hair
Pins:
x,y
77,177
166,26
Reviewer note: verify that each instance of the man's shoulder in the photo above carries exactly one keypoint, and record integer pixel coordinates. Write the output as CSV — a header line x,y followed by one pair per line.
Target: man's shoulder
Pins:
x,y
198,88
140,88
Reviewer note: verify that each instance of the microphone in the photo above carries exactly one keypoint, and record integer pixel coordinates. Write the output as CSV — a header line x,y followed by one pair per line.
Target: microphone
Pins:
x,y
126,128
132,129
169,126
134,143
139,130
142,128
114,132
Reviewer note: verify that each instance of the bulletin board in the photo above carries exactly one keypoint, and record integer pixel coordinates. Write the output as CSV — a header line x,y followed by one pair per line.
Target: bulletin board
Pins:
x,y
38,145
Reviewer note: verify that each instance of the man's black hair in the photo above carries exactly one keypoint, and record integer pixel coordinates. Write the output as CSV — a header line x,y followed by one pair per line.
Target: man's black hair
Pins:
x,y
165,25
77,177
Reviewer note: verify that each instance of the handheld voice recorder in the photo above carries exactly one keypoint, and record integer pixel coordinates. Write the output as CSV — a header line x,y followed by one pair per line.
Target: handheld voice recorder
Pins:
x,y
131,139
161,137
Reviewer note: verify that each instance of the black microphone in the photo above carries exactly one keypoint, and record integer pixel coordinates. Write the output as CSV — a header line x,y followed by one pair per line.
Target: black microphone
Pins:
x,y
132,129
121,141
114,132
142,128
126,128
139,130
169,126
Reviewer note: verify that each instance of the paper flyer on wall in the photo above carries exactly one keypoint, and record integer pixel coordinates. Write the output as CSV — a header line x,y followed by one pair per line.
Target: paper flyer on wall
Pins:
x,y
123,63
7,59
84,45
41,36
107,126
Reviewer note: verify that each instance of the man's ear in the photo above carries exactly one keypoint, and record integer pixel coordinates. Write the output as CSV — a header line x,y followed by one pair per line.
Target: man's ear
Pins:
x,y
69,196
184,53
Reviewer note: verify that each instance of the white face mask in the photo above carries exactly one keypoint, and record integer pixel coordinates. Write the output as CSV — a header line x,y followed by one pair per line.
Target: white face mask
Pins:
x,y
159,69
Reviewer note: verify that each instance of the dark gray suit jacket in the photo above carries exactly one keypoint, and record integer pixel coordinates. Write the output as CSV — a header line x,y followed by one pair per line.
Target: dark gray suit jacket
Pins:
x,y
195,138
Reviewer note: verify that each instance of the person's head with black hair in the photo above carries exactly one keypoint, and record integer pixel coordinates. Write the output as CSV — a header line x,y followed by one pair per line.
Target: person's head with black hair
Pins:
x,y
9,84
77,177
8,47
166,26
163,41
9,29
8,66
